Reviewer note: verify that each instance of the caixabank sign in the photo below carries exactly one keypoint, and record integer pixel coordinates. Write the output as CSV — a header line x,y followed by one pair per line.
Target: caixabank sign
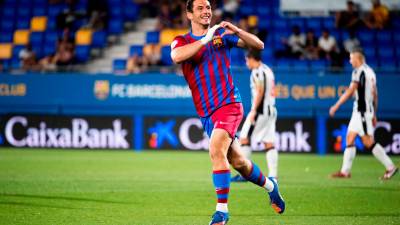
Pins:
x,y
293,135
47,131
386,133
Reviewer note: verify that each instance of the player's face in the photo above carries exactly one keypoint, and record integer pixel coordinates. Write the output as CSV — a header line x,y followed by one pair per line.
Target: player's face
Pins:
x,y
354,60
202,12
250,63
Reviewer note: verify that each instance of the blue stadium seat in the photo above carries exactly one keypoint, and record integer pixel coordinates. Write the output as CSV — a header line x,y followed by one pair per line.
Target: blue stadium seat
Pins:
x,y
267,55
115,26
119,64
81,5
384,37
7,25
152,37
38,51
9,11
99,39
82,53
55,9
49,49
264,23
24,11
389,64
116,12
166,55
263,11
328,23
300,65
50,37
386,53
136,49
369,51
237,57
131,11
318,64
246,9
24,23
6,37
283,65
314,23
36,38
39,10
366,37
16,50
297,21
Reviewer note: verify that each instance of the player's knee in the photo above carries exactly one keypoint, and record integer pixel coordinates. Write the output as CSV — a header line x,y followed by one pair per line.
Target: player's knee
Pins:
x,y
216,154
238,163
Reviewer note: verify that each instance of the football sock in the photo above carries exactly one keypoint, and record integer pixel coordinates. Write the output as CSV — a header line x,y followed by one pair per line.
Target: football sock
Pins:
x,y
246,150
272,162
348,157
380,154
221,180
258,178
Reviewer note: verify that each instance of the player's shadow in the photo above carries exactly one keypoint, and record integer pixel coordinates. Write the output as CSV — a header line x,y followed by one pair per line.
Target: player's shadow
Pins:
x,y
44,197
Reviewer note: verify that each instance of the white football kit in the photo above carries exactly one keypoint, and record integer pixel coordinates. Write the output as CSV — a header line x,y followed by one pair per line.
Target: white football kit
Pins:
x,y
363,108
263,130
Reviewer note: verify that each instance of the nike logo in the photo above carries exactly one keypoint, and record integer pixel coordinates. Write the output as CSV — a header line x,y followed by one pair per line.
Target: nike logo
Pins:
x,y
221,122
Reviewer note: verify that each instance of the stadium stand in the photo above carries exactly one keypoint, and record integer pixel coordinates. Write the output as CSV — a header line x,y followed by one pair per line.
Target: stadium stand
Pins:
x,y
36,22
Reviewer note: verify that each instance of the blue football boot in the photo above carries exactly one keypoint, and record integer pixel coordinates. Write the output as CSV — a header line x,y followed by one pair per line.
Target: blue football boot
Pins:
x,y
219,218
238,178
277,202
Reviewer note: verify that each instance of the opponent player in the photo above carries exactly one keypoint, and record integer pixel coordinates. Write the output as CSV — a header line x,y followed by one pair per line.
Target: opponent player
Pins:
x,y
363,118
260,122
204,53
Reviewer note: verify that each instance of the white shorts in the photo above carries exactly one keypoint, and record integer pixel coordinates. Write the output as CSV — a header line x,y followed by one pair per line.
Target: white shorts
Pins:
x,y
263,130
361,123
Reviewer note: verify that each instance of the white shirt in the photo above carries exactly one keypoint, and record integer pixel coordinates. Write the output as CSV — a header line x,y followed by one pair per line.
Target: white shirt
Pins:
x,y
327,44
363,96
263,76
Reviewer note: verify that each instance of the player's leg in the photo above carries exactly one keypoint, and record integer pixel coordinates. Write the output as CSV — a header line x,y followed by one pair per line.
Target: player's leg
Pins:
x,y
252,173
354,128
245,146
269,139
377,150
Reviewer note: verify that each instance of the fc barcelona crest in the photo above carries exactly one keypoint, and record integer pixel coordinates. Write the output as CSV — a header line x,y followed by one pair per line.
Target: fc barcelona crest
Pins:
x,y
217,41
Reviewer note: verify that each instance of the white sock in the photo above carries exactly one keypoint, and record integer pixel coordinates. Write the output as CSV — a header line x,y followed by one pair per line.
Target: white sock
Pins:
x,y
272,162
382,157
246,150
269,186
222,207
348,157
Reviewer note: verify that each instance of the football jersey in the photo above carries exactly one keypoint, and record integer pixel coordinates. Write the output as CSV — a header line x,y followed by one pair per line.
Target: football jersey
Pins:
x,y
263,76
208,72
363,97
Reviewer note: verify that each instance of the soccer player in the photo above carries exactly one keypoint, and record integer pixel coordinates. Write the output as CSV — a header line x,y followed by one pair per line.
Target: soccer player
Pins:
x,y
204,53
260,122
363,119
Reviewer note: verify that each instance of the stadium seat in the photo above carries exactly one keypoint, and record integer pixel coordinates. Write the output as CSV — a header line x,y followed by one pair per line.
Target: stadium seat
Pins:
x,y
38,51
246,9
152,37
99,39
50,37
9,11
264,23
5,51
237,57
83,37
297,21
16,50
39,23
130,10
136,49
36,38
314,23
366,37
384,38
39,9
82,53
369,51
283,65
386,53
300,65
263,11
166,55
328,23
6,37
116,12
55,9
21,37
23,23
115,26
119,65
24,12
167,36
7,25
267,55
49,49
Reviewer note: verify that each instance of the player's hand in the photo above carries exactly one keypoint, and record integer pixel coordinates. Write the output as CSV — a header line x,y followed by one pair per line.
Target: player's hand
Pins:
x,y
229,28
374,121
210,34
332,111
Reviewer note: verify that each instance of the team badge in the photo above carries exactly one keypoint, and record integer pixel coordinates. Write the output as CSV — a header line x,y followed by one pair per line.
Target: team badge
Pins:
x,y
217,41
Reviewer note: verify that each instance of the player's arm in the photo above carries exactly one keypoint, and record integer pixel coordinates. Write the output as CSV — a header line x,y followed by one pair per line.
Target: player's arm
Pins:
x,y
343,98
375,103
256,101
185,52
246,39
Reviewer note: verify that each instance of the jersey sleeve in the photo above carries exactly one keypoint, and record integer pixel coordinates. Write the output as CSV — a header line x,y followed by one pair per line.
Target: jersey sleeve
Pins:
x,y
178,42
230,39
355,77
259,78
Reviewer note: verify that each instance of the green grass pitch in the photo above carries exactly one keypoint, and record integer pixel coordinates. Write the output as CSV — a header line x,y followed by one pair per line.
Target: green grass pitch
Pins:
x,y
174,188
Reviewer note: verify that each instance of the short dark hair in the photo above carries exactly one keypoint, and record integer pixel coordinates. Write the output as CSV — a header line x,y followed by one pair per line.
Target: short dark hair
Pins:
x,y
189,5
254,54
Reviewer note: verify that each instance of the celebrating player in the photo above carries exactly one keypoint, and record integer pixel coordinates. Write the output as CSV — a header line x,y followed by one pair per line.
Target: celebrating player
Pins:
x,y
260,122
363,118
204,53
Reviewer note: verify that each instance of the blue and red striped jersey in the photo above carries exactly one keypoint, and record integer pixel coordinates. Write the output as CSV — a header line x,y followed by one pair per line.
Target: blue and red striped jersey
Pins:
x,y
208,73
